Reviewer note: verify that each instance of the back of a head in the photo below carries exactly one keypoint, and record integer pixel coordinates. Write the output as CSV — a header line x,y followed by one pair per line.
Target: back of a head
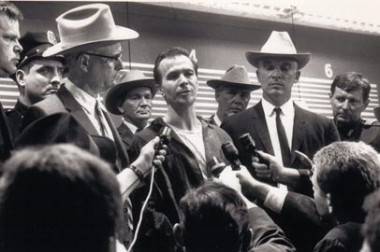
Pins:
x,y
348,172
215,219
57,198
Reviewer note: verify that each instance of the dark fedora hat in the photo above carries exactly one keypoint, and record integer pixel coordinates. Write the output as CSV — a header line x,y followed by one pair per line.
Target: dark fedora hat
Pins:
x,y
125,81
34,44
64,128
236,75
279,44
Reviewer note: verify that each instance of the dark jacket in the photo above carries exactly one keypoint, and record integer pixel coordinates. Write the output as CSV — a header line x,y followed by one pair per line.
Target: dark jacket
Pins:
x,y
15,117
64,102
179,174
310,133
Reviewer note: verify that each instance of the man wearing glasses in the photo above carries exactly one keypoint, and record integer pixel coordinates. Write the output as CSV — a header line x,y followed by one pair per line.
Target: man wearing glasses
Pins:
x,y
93,55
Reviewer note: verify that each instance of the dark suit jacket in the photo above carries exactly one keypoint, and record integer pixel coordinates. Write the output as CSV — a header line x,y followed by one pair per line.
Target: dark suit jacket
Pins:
x,y
126,135
6,140
310,133
65,102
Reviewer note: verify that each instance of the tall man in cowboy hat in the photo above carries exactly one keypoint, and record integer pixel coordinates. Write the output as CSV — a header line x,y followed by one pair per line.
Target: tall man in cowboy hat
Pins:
x,y
278,125
93,54
132,98
10,50
232,93
36,76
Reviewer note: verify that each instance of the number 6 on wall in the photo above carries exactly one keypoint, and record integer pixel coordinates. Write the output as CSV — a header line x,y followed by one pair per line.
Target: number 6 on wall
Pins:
x,y
328,70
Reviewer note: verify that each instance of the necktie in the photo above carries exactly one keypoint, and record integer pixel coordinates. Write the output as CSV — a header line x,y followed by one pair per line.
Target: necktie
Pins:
x,y
99,117
285,150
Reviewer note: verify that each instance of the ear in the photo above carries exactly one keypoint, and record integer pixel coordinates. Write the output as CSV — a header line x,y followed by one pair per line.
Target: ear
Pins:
x,y
20,78
84,62
298,75
246,240
178,233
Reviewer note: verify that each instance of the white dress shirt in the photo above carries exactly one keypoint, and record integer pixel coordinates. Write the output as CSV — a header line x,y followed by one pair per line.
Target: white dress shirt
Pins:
x,y
87,103
217,120
287,119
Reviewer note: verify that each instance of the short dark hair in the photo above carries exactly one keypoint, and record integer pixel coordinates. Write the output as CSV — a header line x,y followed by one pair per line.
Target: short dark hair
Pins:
x,y
170,53
348,171
351,81
215,219
58,198
10,10
371,226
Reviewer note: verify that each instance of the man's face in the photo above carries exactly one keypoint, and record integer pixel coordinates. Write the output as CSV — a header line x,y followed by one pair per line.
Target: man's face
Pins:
x,y
137,106
179,83
347,106
231,100
277,76
10,47
40,78
104,64
320,198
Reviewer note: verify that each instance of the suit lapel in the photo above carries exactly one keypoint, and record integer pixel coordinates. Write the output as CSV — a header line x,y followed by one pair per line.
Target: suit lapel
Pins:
x,y
123,156
125,133
300,120
260,128
75,109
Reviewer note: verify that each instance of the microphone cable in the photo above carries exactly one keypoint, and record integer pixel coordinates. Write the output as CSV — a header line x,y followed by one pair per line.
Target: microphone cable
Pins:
x,y
143,209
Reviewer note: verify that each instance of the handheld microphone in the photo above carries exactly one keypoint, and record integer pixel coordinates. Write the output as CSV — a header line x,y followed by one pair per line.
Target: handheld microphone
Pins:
x,y
249,145
232,155
216,166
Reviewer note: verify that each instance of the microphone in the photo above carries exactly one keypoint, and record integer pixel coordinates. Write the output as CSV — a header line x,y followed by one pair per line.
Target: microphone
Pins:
x,y
249,146
216,166
232,155
164,140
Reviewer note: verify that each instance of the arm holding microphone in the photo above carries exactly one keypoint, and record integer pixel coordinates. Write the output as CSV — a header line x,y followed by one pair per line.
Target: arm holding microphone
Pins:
x,y
151,156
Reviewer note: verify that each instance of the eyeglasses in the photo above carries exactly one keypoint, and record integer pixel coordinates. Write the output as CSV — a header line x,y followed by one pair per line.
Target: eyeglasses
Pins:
x,y
113,58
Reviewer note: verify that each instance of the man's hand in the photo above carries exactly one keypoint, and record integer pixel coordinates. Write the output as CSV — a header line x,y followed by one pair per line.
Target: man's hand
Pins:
x,y
149,156
274,168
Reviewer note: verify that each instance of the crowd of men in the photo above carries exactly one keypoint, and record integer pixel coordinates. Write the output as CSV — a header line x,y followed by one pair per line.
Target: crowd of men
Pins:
x,y
73,181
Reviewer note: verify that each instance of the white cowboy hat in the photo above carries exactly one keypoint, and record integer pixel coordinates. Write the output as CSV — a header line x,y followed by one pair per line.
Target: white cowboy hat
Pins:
x,y
235,76
86,25
279,44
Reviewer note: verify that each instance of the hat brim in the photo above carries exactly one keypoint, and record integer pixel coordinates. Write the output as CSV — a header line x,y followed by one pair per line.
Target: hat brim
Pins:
x,y
254,57
119,34
247,85
117,93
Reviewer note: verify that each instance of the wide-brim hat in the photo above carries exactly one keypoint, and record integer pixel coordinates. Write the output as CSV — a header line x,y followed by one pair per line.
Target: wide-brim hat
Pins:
x,y
34,44
85,26
125,81
279,44
236,75
64,128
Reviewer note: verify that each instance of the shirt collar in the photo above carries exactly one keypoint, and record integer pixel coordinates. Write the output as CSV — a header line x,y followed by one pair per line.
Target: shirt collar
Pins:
x,y
217,119
131,126
81,96
287,108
